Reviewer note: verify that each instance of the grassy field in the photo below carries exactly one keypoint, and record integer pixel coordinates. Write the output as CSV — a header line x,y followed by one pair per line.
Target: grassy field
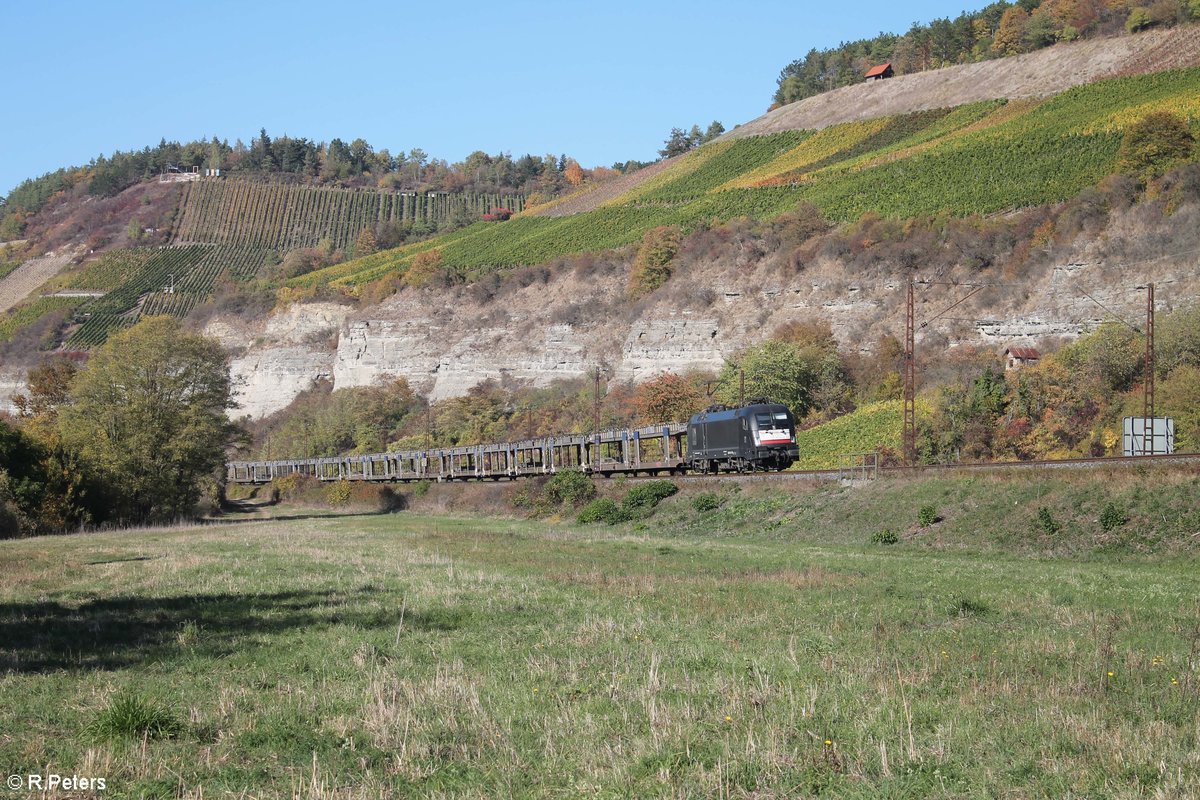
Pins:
x,y
696,654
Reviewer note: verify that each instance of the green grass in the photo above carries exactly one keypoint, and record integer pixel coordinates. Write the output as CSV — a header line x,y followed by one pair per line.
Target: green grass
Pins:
x,y
713,653
131,716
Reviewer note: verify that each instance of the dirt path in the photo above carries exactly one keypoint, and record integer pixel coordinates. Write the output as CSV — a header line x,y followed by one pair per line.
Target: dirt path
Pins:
x,y
25,279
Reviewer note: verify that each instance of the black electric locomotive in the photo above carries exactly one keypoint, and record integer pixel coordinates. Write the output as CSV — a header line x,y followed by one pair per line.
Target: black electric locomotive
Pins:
x,y
759,436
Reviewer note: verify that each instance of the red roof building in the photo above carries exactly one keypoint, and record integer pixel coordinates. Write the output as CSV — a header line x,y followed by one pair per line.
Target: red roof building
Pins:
x,y
880,72
1017,357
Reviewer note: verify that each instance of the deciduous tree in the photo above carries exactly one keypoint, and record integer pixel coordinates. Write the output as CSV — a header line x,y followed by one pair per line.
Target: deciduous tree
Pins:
x,y
574,173
365,244
669,397
1154,144
1011,33
652,265
147,413
775,370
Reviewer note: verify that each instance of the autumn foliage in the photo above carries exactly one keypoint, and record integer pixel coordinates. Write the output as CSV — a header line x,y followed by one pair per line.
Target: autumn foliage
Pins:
x,y
574,173
426,267
665,398
652,266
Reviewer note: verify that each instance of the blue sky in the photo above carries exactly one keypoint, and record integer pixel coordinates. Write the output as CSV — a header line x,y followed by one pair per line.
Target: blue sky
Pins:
x,y
602,82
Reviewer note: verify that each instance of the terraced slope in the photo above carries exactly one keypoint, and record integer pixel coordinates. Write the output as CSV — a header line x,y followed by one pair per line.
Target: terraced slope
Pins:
x,y
169,280
981,158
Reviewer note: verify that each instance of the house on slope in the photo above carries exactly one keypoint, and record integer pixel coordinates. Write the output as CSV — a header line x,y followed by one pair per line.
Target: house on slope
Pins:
x,y
880,72
1017,357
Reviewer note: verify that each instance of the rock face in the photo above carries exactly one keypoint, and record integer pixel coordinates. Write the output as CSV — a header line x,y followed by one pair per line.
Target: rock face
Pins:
x,y
12,382
272,364
674,343
564,324
443,363
444,350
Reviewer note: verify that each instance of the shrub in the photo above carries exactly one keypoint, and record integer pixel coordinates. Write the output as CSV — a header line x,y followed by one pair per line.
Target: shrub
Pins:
x,y
569,488
132,717
376,496
707,501
285,487
10,520
1138,20
426,267
602,509
1046,522
927,516
642,498
885,536
338,493
1154,144
652,265
420,488
1112,516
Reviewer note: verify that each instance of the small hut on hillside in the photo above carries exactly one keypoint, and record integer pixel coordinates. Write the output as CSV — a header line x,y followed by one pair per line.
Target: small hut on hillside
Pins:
x,y
880,72
1017,357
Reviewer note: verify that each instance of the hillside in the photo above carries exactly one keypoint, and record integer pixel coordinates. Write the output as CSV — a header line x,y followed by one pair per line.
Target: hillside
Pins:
x,y
283,218
1013,191
975,159
1038,74
217,230
1033,75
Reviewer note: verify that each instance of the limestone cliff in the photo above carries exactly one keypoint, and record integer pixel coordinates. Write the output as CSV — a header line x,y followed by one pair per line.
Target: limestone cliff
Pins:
x,y
446,341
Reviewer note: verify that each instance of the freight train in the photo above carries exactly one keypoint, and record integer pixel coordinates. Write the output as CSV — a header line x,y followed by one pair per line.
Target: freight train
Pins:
x,y
755,437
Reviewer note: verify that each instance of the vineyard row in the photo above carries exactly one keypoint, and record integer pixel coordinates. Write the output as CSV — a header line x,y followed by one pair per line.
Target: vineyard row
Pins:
x,y
283,218
172,280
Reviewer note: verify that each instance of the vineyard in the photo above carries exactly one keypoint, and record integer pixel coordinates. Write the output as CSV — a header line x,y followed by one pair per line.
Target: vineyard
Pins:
x,y
110,270
982,158
231,229
285,217
32,311
148,282
875,425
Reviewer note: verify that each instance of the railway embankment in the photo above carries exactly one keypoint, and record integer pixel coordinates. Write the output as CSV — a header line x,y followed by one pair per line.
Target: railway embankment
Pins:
x,y
1098,512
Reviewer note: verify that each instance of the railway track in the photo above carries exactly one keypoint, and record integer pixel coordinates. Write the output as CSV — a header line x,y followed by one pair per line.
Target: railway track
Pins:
x,y
893,471
812,475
